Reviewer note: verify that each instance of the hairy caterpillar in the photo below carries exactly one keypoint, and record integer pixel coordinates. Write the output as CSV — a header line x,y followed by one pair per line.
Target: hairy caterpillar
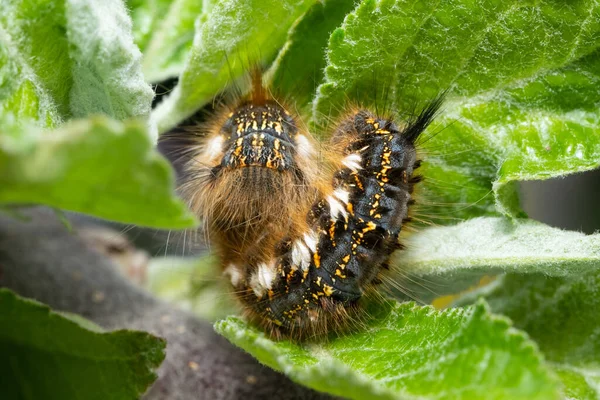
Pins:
x,y
303,232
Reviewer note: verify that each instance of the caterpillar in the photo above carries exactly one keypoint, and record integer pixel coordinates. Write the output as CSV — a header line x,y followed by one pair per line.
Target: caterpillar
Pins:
x,y
304,230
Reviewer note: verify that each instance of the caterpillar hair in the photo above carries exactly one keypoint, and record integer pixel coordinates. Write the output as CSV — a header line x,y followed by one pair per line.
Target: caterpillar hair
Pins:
x,y
303,230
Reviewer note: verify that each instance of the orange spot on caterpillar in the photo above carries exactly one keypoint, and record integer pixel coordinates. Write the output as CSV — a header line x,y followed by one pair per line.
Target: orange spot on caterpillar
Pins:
x,y
317,260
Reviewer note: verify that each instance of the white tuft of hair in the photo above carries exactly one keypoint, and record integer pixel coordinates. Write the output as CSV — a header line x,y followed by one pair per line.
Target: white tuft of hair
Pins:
x,y
262,279
352,161
305,148
234,273
336,208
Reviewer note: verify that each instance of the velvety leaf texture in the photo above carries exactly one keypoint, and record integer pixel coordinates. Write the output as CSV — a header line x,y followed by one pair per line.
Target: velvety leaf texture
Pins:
x,y
146,16
96,166
298,68
172,38
63,59
522,82
499,245
224,47
53,357
561,315
408,352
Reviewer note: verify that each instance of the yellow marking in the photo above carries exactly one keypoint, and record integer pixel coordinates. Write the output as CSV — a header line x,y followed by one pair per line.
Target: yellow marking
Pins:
x,y
350,208
317,259
254,125
306,301
278,128
370,226
318,281
332,231
340,274
358,182
346,258
315,296
230,114
377,216
382,131
277,322
328,290
386,156
370,121
276,144
238,149
240,128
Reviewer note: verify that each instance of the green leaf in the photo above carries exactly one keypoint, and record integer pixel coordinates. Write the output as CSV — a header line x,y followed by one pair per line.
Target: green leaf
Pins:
x,y
237,35
171,40
69,58
146,16
408,352
487,245
523,89
561,315
97,166
298,68
47,356
194,284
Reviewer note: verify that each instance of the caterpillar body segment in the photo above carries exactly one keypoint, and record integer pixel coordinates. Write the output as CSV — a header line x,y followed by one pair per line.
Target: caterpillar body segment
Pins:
x,y
302,246
248,178
315,281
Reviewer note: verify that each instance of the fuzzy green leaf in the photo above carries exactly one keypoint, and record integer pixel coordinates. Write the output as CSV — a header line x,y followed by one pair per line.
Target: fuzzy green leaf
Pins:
x,y
146,16
298,68
44,355
172,39
488,245
97,166
523,89
69,58
237,35
406,352
561,315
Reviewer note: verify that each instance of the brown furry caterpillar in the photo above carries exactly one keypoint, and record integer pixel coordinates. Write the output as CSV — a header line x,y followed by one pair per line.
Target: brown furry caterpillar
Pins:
x,y
302,246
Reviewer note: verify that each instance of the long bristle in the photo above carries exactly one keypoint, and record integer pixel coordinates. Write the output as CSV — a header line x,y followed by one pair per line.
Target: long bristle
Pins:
x,y
258,94
418,125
